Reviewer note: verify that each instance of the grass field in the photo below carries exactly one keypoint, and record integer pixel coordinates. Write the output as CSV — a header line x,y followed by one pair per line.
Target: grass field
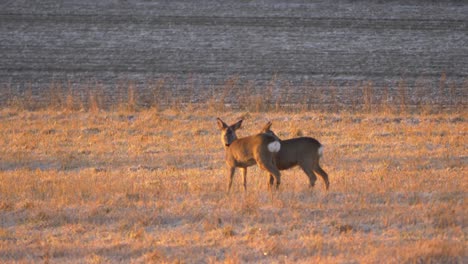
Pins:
x,y
150,186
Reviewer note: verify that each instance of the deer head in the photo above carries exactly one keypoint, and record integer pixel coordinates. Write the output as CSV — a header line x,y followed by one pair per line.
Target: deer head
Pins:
x,y
228,133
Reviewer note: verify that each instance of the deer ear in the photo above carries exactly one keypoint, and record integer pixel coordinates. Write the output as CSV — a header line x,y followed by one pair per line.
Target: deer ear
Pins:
x,y
267,126
221,124
237,125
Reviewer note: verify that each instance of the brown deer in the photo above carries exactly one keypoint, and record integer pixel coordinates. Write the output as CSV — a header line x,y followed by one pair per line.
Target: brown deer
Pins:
x,y
304,152
247,151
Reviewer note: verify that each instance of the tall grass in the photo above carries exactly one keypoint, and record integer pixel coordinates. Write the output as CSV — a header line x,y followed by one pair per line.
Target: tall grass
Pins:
x,y
422,96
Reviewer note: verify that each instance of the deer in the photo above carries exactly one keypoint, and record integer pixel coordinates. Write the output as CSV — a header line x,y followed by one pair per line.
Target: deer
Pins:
x,y
248,151
304,152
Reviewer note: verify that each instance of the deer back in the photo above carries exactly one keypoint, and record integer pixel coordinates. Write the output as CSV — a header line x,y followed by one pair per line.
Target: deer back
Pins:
x,y
295,150
245,151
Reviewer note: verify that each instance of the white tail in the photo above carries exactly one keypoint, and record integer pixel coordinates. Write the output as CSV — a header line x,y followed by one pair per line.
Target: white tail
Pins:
x,y
274,147
320,151
304,152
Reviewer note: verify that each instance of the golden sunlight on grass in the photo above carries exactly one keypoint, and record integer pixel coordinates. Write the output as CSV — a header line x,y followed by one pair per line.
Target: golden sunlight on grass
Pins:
x,y
150,186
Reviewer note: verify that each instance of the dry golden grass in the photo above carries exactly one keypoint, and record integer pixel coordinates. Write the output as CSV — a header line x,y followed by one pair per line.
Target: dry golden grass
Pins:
x,y
150,186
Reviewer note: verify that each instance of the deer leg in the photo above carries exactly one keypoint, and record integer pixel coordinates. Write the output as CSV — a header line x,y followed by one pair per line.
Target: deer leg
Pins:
x,y
310,174
275,176
231,176
322,174
266,162
244,175
272,179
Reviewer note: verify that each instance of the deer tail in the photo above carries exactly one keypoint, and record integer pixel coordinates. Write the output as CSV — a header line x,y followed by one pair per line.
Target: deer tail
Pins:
x,y
274,146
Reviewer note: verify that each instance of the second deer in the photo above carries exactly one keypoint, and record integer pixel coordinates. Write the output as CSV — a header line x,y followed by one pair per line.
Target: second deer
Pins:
x,y
245,152
304,152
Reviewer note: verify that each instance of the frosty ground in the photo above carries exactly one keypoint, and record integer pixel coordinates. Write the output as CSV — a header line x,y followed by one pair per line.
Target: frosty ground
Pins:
x,y
150,186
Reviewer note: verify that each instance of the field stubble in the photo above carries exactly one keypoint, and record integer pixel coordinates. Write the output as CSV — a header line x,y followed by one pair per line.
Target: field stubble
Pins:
x,y
150,186
442,95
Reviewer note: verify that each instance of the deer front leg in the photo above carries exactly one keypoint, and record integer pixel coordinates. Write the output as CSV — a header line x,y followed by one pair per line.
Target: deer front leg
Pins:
x,y
244,175
231,176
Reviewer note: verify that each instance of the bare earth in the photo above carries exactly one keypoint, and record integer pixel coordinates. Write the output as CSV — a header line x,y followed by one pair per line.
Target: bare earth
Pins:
x,y
195,46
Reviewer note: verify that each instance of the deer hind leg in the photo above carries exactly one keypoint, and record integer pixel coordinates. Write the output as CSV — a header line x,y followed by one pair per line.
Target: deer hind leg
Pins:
x,y
322,174
272,180
310,173
275,176
268,164
275,179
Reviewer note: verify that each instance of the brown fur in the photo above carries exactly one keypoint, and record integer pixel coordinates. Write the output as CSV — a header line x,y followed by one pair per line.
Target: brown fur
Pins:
x,y
302,152
245,152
